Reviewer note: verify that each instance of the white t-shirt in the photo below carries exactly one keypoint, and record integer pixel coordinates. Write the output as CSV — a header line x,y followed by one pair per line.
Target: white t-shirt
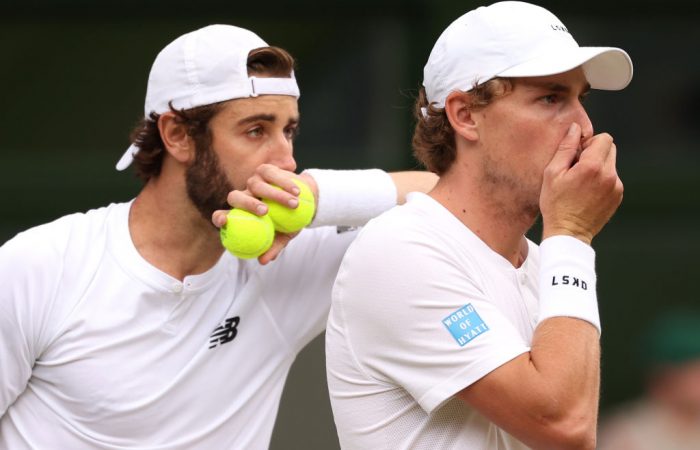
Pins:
x,y
421,309
101,350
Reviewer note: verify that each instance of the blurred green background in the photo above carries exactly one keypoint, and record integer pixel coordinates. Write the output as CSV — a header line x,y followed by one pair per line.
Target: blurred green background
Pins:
x,y
73,81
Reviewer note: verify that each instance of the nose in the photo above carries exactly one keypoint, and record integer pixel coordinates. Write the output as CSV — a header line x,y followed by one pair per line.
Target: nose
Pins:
x,y
282,154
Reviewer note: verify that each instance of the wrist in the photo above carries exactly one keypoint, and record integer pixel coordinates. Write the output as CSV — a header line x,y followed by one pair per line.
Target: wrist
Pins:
x,y
568,280
571,231
351,197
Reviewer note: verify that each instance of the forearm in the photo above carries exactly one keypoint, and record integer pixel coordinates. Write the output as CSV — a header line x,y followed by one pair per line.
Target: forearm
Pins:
x,y
548,397
565,374
412,181
565,353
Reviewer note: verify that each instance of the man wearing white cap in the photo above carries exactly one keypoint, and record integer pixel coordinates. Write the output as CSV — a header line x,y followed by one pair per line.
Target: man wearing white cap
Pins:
x,y
129,326
449,329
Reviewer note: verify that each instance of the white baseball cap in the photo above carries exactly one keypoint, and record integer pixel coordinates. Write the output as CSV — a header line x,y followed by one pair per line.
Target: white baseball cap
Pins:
x,y
515,39
203,67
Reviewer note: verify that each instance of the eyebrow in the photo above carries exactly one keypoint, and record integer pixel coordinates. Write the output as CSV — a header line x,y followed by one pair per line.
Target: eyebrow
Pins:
x,y
558,87
257,117
265,118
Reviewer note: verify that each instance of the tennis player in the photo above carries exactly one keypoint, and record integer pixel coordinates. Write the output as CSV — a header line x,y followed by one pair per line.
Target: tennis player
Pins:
x,y
449,329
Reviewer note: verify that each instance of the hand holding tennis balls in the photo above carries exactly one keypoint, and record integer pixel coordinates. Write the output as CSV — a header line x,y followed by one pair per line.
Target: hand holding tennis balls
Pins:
x,y
247,235
290,220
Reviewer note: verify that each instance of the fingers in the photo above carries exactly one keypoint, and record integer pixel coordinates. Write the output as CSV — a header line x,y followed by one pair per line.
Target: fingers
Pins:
x,y
268,182
264,183
218,218
598,163
280,242
567,151
246,200
610,171
579,200
271,174
610,163
597,149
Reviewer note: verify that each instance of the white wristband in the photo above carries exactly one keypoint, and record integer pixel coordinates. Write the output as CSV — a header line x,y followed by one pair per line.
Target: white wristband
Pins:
x,y
351,197
568,280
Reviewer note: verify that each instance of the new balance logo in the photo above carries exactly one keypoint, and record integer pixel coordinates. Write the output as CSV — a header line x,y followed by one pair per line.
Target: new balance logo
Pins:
x,y
224,333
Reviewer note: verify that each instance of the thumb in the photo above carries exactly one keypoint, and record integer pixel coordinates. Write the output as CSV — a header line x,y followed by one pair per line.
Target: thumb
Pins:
x,y
568,148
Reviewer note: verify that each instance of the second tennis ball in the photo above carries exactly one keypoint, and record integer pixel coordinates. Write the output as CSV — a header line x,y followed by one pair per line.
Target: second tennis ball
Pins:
x,y
247,235
291,220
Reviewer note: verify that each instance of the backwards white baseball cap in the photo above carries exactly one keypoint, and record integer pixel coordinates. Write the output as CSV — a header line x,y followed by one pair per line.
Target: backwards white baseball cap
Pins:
x,y
203,67
515,39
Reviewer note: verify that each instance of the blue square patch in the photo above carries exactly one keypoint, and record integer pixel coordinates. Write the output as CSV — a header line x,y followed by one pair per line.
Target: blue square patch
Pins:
x,y
465,324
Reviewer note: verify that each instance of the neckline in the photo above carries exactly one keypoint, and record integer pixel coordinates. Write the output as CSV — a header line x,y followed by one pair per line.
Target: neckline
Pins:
x,y
459,227
122,247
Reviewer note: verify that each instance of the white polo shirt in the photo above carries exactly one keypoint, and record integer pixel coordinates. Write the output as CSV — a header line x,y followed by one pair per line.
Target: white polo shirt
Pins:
x,y
101,350
422,308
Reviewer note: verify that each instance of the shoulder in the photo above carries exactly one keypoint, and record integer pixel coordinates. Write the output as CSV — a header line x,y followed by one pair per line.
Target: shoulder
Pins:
x,y
51,239
397,251
42,263
46,249
44,268
418,230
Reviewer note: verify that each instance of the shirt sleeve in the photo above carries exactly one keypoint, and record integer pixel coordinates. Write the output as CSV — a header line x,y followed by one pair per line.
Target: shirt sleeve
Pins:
x,y
416,316
26,284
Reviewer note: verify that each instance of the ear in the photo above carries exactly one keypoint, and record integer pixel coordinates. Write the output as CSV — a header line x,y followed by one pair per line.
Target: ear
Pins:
x,y
175,138
458,110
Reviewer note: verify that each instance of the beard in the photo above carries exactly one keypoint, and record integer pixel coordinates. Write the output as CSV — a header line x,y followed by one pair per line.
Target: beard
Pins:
x,y
206,182
513,194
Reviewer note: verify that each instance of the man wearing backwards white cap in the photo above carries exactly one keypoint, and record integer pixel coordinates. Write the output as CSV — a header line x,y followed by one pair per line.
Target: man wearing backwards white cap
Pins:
x,y
129,326
449,329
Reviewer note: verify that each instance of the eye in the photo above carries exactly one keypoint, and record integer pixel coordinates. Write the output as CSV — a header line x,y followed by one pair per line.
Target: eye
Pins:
x,y
583,97
291,132
550,99
255,132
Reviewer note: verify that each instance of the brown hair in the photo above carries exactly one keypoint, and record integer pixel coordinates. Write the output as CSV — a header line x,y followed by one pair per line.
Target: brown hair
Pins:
x,y
433,137
148,162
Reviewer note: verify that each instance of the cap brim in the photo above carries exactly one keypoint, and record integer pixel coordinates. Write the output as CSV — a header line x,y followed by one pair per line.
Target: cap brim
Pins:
x,y
127,157
606,68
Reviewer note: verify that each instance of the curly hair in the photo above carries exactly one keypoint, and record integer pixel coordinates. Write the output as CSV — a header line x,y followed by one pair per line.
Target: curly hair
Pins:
x,y
148,162
433,137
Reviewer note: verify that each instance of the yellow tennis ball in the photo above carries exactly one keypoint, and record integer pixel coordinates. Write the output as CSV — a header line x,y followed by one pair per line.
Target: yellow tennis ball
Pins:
x,y
290,220
247,235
